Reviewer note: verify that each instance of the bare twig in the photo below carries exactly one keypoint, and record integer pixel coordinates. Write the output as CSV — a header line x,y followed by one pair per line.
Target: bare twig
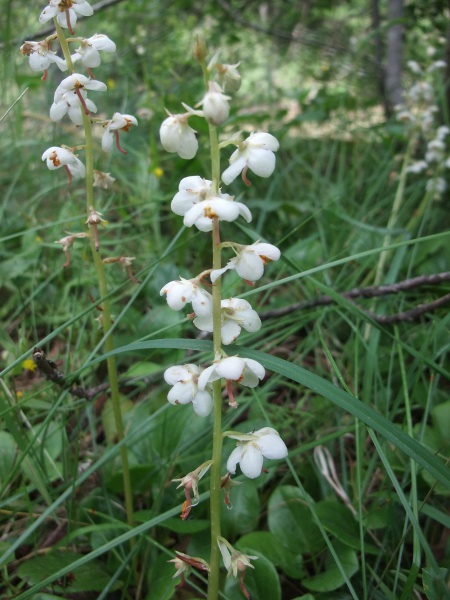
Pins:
x,y
375,291
48,368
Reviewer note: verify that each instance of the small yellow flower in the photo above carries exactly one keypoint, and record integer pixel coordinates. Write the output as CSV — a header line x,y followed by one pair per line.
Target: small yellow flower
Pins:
x,y
158,172
29,365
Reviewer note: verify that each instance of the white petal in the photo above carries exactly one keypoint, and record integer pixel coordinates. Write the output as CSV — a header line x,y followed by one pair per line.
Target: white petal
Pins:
x,y
244,211
107,140
261,162
181,393
177,373
204,323
202,403
233,459
235,168
216,273
272,446
207,376
251,462
58,110
263,140
231,368
202,303
230,331
250,267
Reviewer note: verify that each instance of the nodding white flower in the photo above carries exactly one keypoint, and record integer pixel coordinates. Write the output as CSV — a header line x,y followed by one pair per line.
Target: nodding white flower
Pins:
x,y
417,167
252,448
41,56
199,204
414,67
249,261
236,314
255,153
435,150
118,123
184,379
215,104
57,157
71,98
190,483
67,242
66,12
179,293
177,136
235,562
437,185
88,52
183,564
245,371
229,77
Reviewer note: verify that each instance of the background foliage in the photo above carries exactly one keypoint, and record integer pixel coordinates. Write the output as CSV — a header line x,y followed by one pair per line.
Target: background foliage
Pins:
x,y
309,77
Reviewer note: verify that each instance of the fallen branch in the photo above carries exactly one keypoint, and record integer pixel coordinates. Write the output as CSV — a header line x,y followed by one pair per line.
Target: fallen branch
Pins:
x,y
373,292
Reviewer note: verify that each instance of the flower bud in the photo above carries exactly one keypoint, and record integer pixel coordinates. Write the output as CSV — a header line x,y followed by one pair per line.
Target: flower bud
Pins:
x,y
215,104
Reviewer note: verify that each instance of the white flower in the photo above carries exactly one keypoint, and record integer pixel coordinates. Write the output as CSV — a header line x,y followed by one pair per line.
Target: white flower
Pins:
x,y
229,77
184,379
71,98
177,136
235,562
88,52
199,204
41,56
236,314
251,449
118,123
66,12
215,104
57,157
442,132
437,185
255,153
245,371
249,261
414,67
179,293
417,167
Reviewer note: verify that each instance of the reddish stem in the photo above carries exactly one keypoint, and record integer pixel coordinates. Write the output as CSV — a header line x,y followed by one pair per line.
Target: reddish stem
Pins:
x,y
231,400
69,26
247,182
116,135
81,99
67,263
44,76
69,174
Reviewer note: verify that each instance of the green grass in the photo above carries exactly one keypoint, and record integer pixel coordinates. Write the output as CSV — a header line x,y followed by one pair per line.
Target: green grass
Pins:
x,y
375,396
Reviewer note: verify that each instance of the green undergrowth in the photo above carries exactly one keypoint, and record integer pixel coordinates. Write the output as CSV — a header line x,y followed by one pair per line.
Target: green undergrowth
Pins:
x,y
368,398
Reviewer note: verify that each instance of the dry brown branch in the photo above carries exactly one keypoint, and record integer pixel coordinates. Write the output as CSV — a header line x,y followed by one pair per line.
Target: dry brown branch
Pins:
x,y
373,292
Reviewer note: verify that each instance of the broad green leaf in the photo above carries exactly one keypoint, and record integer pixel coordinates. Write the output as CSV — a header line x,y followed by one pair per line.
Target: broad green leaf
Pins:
x,y
244,515
290,521
338,520
161,584
331,578
87,578
265,543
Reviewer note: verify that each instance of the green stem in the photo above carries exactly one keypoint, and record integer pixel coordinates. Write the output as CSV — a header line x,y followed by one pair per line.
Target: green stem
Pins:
x,y
103,290
216,467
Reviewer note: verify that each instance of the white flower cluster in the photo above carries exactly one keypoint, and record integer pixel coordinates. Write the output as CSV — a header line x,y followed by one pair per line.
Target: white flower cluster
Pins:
x,y
203,204
71,99
71,95
418,113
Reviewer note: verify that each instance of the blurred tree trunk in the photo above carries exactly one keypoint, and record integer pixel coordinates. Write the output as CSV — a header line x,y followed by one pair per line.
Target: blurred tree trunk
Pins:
x,y
394,55
447,70
378,52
